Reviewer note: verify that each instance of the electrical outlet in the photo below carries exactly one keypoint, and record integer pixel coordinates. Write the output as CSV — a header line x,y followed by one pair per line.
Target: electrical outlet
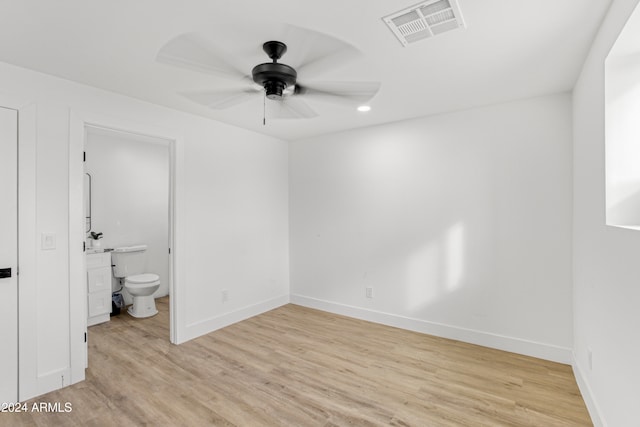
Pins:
x,y
225,295
368,292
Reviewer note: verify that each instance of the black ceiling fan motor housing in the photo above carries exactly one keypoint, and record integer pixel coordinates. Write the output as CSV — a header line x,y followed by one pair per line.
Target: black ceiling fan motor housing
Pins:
x,y
274,77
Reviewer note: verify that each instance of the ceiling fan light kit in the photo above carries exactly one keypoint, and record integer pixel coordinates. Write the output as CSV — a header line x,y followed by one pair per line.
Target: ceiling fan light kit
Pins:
x,y
273,76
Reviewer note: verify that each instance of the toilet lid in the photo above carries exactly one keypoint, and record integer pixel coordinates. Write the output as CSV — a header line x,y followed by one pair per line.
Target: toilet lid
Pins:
x,y
142,278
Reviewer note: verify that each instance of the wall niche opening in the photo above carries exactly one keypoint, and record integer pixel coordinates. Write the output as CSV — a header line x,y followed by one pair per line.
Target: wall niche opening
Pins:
x,y
622,127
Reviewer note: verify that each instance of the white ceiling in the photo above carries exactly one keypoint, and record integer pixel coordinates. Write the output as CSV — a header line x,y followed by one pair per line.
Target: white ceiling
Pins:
x,y
510,49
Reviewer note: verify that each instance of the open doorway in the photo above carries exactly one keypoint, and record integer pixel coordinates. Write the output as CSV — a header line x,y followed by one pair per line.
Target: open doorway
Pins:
x,y
127,221
128,201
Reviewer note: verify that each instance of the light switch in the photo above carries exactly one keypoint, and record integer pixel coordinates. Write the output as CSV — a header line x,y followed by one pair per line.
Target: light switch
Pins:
x,y
48,241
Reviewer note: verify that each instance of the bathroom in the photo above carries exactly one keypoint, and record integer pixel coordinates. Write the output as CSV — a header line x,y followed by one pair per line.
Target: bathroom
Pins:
x,y
127,200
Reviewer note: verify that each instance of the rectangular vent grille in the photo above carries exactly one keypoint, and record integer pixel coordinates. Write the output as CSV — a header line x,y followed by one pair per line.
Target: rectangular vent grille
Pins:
x,y
425,20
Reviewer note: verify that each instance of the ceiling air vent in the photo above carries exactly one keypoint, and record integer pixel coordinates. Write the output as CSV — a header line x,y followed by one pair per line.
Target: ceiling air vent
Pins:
x,y
425,20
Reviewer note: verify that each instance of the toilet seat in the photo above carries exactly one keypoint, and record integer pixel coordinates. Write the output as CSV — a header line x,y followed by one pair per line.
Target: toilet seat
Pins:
x,y
141,280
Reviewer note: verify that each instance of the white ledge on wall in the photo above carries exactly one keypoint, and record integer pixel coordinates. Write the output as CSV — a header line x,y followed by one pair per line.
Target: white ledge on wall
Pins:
x,y
628,227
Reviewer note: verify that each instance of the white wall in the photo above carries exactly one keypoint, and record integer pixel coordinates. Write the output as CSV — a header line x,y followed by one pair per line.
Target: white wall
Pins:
x,y
461,224
231,209
130,196
606,268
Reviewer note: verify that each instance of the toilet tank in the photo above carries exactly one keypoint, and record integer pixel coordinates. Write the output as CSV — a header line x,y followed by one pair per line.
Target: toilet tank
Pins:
x,y
128,260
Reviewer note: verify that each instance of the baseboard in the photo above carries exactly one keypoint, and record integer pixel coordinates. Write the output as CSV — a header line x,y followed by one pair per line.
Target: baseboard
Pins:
x,y
515,345
587,394
203,327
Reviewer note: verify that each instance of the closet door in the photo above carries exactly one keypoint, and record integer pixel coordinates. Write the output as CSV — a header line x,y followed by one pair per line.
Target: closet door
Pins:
x,y
8,255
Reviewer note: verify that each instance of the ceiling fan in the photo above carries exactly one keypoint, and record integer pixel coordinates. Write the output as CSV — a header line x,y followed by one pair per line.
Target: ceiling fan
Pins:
x,y
273,81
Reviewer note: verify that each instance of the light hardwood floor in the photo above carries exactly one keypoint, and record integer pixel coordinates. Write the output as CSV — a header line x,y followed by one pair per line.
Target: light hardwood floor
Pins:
x,y
295,366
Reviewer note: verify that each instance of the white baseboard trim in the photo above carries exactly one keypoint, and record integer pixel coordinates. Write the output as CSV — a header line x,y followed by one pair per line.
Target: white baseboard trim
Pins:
x,y
486,339
587,394
203,327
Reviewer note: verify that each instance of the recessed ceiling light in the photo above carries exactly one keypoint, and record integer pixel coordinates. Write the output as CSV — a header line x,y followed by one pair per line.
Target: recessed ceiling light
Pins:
x,y
364,108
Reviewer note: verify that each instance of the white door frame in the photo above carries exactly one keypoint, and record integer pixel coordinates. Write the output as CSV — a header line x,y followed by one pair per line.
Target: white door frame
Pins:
x,y
79,121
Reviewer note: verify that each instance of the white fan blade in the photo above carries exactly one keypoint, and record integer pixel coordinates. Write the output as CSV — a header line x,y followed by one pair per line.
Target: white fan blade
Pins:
x,y
344,93
193,52
290,108
220,100
311,52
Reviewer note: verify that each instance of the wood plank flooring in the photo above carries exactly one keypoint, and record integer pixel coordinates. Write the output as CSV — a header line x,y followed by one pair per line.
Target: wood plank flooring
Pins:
x,y
295,366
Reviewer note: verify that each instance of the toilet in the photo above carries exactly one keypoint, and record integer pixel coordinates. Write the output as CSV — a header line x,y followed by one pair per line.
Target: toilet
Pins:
x,y
129,264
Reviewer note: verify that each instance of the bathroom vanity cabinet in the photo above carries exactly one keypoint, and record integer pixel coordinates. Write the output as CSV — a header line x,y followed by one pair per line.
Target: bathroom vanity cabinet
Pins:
x,y
98,287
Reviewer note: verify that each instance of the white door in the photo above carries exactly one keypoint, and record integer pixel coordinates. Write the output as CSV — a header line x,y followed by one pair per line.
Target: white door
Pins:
x,y
8,255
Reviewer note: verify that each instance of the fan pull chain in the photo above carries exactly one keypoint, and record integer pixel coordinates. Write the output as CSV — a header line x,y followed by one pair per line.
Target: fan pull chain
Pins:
x,y
264,108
